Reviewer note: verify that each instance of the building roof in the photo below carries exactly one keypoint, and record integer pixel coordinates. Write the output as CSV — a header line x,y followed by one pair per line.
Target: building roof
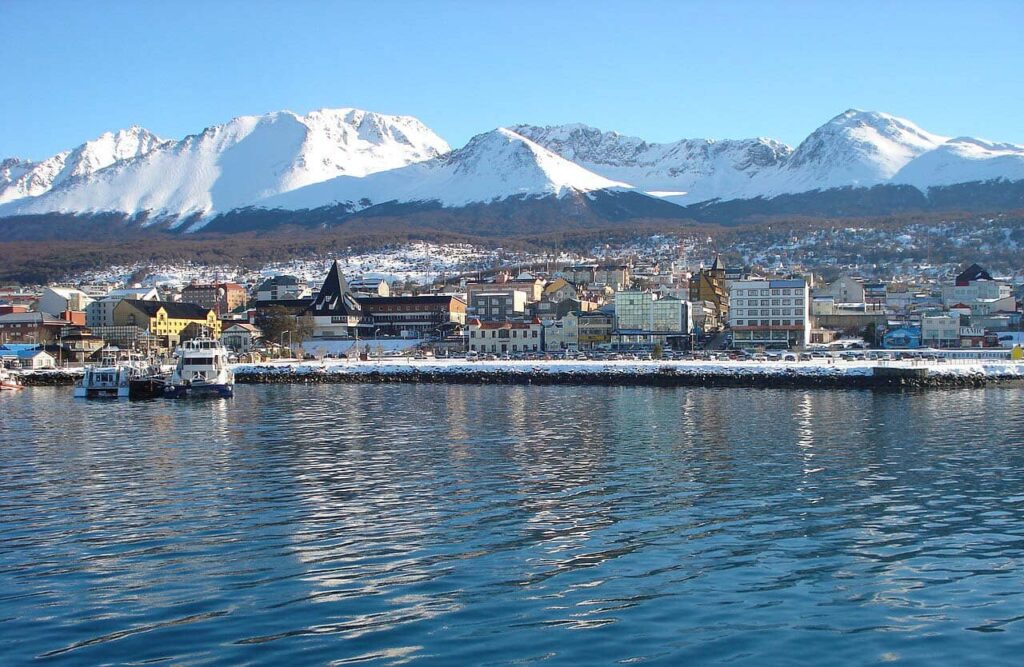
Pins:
x,y
131,293
175,310
31,317
504,325
718,264
971,273
251,328
407,300
18,347
209,286
278,281
335,299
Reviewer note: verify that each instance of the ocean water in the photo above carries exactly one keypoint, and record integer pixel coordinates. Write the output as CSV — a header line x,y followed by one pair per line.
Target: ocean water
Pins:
x,y
457,525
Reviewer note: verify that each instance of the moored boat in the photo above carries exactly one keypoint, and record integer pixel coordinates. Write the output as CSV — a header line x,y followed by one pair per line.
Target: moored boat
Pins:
x,y
107,381
201,371
8,381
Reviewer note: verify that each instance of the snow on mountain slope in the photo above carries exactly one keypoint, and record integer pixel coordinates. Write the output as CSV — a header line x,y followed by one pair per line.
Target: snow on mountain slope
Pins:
x,y
493,166
21,178
701,168
859,148
240,162
963,160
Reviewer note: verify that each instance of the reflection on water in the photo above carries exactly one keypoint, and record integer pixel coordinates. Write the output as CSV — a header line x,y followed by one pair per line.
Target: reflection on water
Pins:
x,y
466,525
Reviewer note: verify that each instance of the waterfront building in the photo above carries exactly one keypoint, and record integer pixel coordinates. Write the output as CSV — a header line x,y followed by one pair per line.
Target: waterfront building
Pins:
x,y
902,338
595,328
708,287
78,344
100,313
32,358
940,330
770,313
562,334
335,312
240,337
30,327
642,318
505,337
414,316
166,319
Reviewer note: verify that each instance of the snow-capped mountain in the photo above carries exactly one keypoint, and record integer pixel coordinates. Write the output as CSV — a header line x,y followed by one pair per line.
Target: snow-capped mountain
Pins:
x,y
240,162
858,148
22,178
963,160
701,168
493,166
285,162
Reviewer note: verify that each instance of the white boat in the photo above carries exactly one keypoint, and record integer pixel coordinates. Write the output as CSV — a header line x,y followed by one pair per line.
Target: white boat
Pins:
x,y
107,381
201,371
8,381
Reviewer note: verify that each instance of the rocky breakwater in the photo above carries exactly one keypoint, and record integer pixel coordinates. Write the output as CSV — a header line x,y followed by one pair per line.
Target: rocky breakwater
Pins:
x,y
50,378
663,374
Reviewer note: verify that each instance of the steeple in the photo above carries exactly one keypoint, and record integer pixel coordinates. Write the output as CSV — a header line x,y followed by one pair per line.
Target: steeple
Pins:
x,y
334,297
718,264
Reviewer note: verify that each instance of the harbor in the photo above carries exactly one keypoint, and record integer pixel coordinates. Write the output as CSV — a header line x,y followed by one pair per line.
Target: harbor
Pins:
x,y
827,373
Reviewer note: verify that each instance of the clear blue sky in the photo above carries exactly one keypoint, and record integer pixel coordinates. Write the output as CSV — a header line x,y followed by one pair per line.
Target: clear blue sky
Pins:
x,y
660,70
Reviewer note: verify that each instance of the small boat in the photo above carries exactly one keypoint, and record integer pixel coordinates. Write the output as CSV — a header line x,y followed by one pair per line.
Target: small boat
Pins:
x,y
151,384
107,381
201,371
8,381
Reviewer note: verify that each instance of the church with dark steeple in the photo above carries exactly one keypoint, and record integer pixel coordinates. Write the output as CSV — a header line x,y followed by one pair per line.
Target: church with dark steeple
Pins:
x,y
335,310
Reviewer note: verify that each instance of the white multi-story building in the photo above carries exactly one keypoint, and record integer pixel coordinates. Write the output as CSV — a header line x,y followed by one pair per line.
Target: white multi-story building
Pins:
x,y
770,313
506,337
940,330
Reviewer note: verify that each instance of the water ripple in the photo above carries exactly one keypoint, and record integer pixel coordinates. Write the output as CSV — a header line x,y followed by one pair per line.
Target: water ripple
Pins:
x,y
511,525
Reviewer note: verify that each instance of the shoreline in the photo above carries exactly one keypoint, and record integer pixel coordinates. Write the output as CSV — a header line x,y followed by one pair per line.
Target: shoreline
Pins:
x,y
761,375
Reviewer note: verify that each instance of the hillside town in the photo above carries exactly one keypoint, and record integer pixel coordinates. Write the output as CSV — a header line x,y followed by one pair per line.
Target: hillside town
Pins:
x,y
655,305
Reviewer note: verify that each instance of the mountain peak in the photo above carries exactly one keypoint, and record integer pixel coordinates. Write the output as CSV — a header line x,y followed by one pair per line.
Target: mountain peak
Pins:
x,y
861,148
236,163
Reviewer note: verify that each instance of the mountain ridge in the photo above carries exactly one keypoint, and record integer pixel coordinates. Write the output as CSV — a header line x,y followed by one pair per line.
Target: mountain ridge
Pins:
x,y
349,160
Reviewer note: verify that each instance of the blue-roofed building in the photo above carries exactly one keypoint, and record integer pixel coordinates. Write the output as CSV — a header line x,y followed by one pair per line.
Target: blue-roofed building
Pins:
x,y
27,356
902,338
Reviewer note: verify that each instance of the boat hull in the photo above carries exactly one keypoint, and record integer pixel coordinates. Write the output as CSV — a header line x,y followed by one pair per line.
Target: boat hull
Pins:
x,y
101,392
199,391
9,386
146,388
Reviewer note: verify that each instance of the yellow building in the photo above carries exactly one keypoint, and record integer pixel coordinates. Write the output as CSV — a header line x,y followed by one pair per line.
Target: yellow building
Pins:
x,y
166,318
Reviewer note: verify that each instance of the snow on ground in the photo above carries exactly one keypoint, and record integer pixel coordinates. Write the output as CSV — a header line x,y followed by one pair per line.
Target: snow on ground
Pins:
x,y
812,368
418,261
